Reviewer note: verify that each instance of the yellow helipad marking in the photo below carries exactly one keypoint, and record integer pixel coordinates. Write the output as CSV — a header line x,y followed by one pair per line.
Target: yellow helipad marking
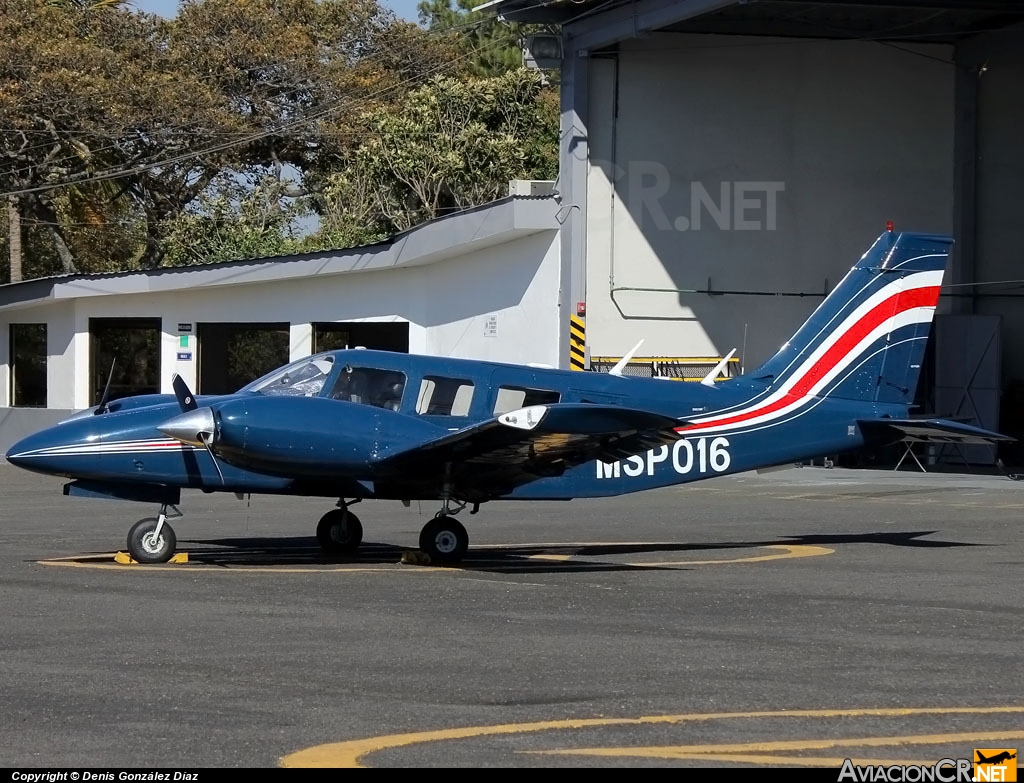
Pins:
x,y
118,560
109,562
350,753
790,551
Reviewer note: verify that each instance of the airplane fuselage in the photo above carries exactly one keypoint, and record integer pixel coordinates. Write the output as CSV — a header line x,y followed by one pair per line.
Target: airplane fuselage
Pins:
x,y
336,445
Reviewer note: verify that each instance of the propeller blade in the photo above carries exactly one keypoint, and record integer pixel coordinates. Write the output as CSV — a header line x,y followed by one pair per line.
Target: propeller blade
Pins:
x,y
185,399
102,407
207,438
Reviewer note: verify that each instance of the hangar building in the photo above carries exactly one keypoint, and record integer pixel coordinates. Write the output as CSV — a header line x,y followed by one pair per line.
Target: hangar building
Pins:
x,y
727,161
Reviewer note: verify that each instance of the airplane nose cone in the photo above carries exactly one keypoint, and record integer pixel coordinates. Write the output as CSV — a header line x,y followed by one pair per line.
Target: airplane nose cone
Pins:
x,y
191,427
42,452
16,454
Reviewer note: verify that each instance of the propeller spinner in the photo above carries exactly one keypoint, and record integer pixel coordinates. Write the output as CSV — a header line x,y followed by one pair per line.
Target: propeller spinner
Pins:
x,y
195,426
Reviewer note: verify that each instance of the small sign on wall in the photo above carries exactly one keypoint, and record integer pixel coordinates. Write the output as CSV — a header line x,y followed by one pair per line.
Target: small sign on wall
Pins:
x,y
184,356
491,326
183,341
186,328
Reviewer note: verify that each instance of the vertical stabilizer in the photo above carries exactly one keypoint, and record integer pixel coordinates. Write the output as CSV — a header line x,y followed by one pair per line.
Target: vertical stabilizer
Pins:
x,y
866,341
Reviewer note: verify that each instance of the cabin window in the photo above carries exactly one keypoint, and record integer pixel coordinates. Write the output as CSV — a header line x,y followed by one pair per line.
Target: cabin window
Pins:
x,y
304,378
512,398
28,365
370,386
441,396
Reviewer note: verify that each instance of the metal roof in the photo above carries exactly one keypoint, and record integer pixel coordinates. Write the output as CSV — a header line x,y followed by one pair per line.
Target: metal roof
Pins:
x,y
924,21
436,240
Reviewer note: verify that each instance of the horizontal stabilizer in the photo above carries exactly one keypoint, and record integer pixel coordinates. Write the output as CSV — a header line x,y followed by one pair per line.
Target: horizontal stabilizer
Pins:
x,y
883,431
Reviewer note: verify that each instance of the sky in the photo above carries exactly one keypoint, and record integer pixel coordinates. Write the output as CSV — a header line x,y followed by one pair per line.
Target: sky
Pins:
x,y
404,9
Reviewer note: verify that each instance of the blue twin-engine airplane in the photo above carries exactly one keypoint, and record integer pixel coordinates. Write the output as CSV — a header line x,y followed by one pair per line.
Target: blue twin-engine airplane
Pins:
x,y
359,424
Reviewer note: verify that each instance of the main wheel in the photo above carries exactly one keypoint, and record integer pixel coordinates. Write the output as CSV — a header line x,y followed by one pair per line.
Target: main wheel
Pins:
x,y
145,547
444,539
339,531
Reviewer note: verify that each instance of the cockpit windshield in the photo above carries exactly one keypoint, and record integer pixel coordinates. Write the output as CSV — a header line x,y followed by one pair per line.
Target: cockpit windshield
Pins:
x,y
304,378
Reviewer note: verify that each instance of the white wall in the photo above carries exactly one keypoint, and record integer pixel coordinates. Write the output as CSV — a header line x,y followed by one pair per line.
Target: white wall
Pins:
x,y
850,134
447,305
500,304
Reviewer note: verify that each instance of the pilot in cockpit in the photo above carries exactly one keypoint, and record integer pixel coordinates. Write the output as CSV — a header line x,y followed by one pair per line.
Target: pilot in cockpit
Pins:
x,y
392,396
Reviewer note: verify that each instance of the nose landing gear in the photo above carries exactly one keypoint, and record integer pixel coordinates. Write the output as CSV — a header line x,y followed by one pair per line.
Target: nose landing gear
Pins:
x,y
152,540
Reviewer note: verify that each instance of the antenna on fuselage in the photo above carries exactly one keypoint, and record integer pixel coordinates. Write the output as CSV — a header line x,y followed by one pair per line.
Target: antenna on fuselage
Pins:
x,y
102,406
620,365
709,379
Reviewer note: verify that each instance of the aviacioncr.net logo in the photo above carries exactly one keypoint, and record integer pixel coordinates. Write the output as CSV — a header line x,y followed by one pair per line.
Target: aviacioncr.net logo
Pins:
x,y
942,771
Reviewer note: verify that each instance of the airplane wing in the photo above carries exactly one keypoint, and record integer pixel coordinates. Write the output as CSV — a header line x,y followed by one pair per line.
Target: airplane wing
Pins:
x,y
884,431
529,443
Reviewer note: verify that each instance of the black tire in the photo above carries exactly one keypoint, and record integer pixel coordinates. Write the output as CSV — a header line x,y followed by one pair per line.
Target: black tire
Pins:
x,y
339,531
444,539
142,547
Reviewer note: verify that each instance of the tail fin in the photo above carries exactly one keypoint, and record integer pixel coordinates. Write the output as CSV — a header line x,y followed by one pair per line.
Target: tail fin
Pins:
x,y
866,341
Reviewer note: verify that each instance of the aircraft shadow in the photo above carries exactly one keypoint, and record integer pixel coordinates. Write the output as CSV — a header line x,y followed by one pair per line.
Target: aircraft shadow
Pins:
x,y
554,558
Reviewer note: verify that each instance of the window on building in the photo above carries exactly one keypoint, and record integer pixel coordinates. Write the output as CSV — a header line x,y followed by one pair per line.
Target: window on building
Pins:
x,y
512,398
330,337
233,355
441,396
392,336
132,347
28,365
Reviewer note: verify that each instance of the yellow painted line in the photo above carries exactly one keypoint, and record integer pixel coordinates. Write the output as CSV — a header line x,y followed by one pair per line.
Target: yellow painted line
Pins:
x,y
557,558
741,751
349,753
118,561
791,552
108,563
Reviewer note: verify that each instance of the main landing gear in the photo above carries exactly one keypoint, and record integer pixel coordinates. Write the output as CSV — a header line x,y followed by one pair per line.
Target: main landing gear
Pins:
x,y
443,538
152,540
340,531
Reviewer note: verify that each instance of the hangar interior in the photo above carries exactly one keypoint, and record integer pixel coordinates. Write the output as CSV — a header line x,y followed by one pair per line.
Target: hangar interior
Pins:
x,y
727,162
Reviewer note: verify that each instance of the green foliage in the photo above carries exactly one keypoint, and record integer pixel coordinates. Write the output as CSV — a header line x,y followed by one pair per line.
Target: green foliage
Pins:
x,y
234,221
452,144
491,46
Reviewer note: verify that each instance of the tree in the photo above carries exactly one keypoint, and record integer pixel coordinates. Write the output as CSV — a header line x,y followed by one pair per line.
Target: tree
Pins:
x,y
85,91
451,144
236,220
491,46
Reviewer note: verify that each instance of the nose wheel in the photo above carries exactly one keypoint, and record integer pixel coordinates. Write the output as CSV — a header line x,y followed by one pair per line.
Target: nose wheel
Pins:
x,y
151,540
444,539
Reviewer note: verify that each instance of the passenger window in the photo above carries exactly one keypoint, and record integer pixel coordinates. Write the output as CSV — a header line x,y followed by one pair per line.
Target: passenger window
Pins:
x,y
444,396
369,386
512,398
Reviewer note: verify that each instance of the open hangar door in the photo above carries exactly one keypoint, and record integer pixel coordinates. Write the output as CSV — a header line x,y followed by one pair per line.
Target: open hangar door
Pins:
x,y
863,111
